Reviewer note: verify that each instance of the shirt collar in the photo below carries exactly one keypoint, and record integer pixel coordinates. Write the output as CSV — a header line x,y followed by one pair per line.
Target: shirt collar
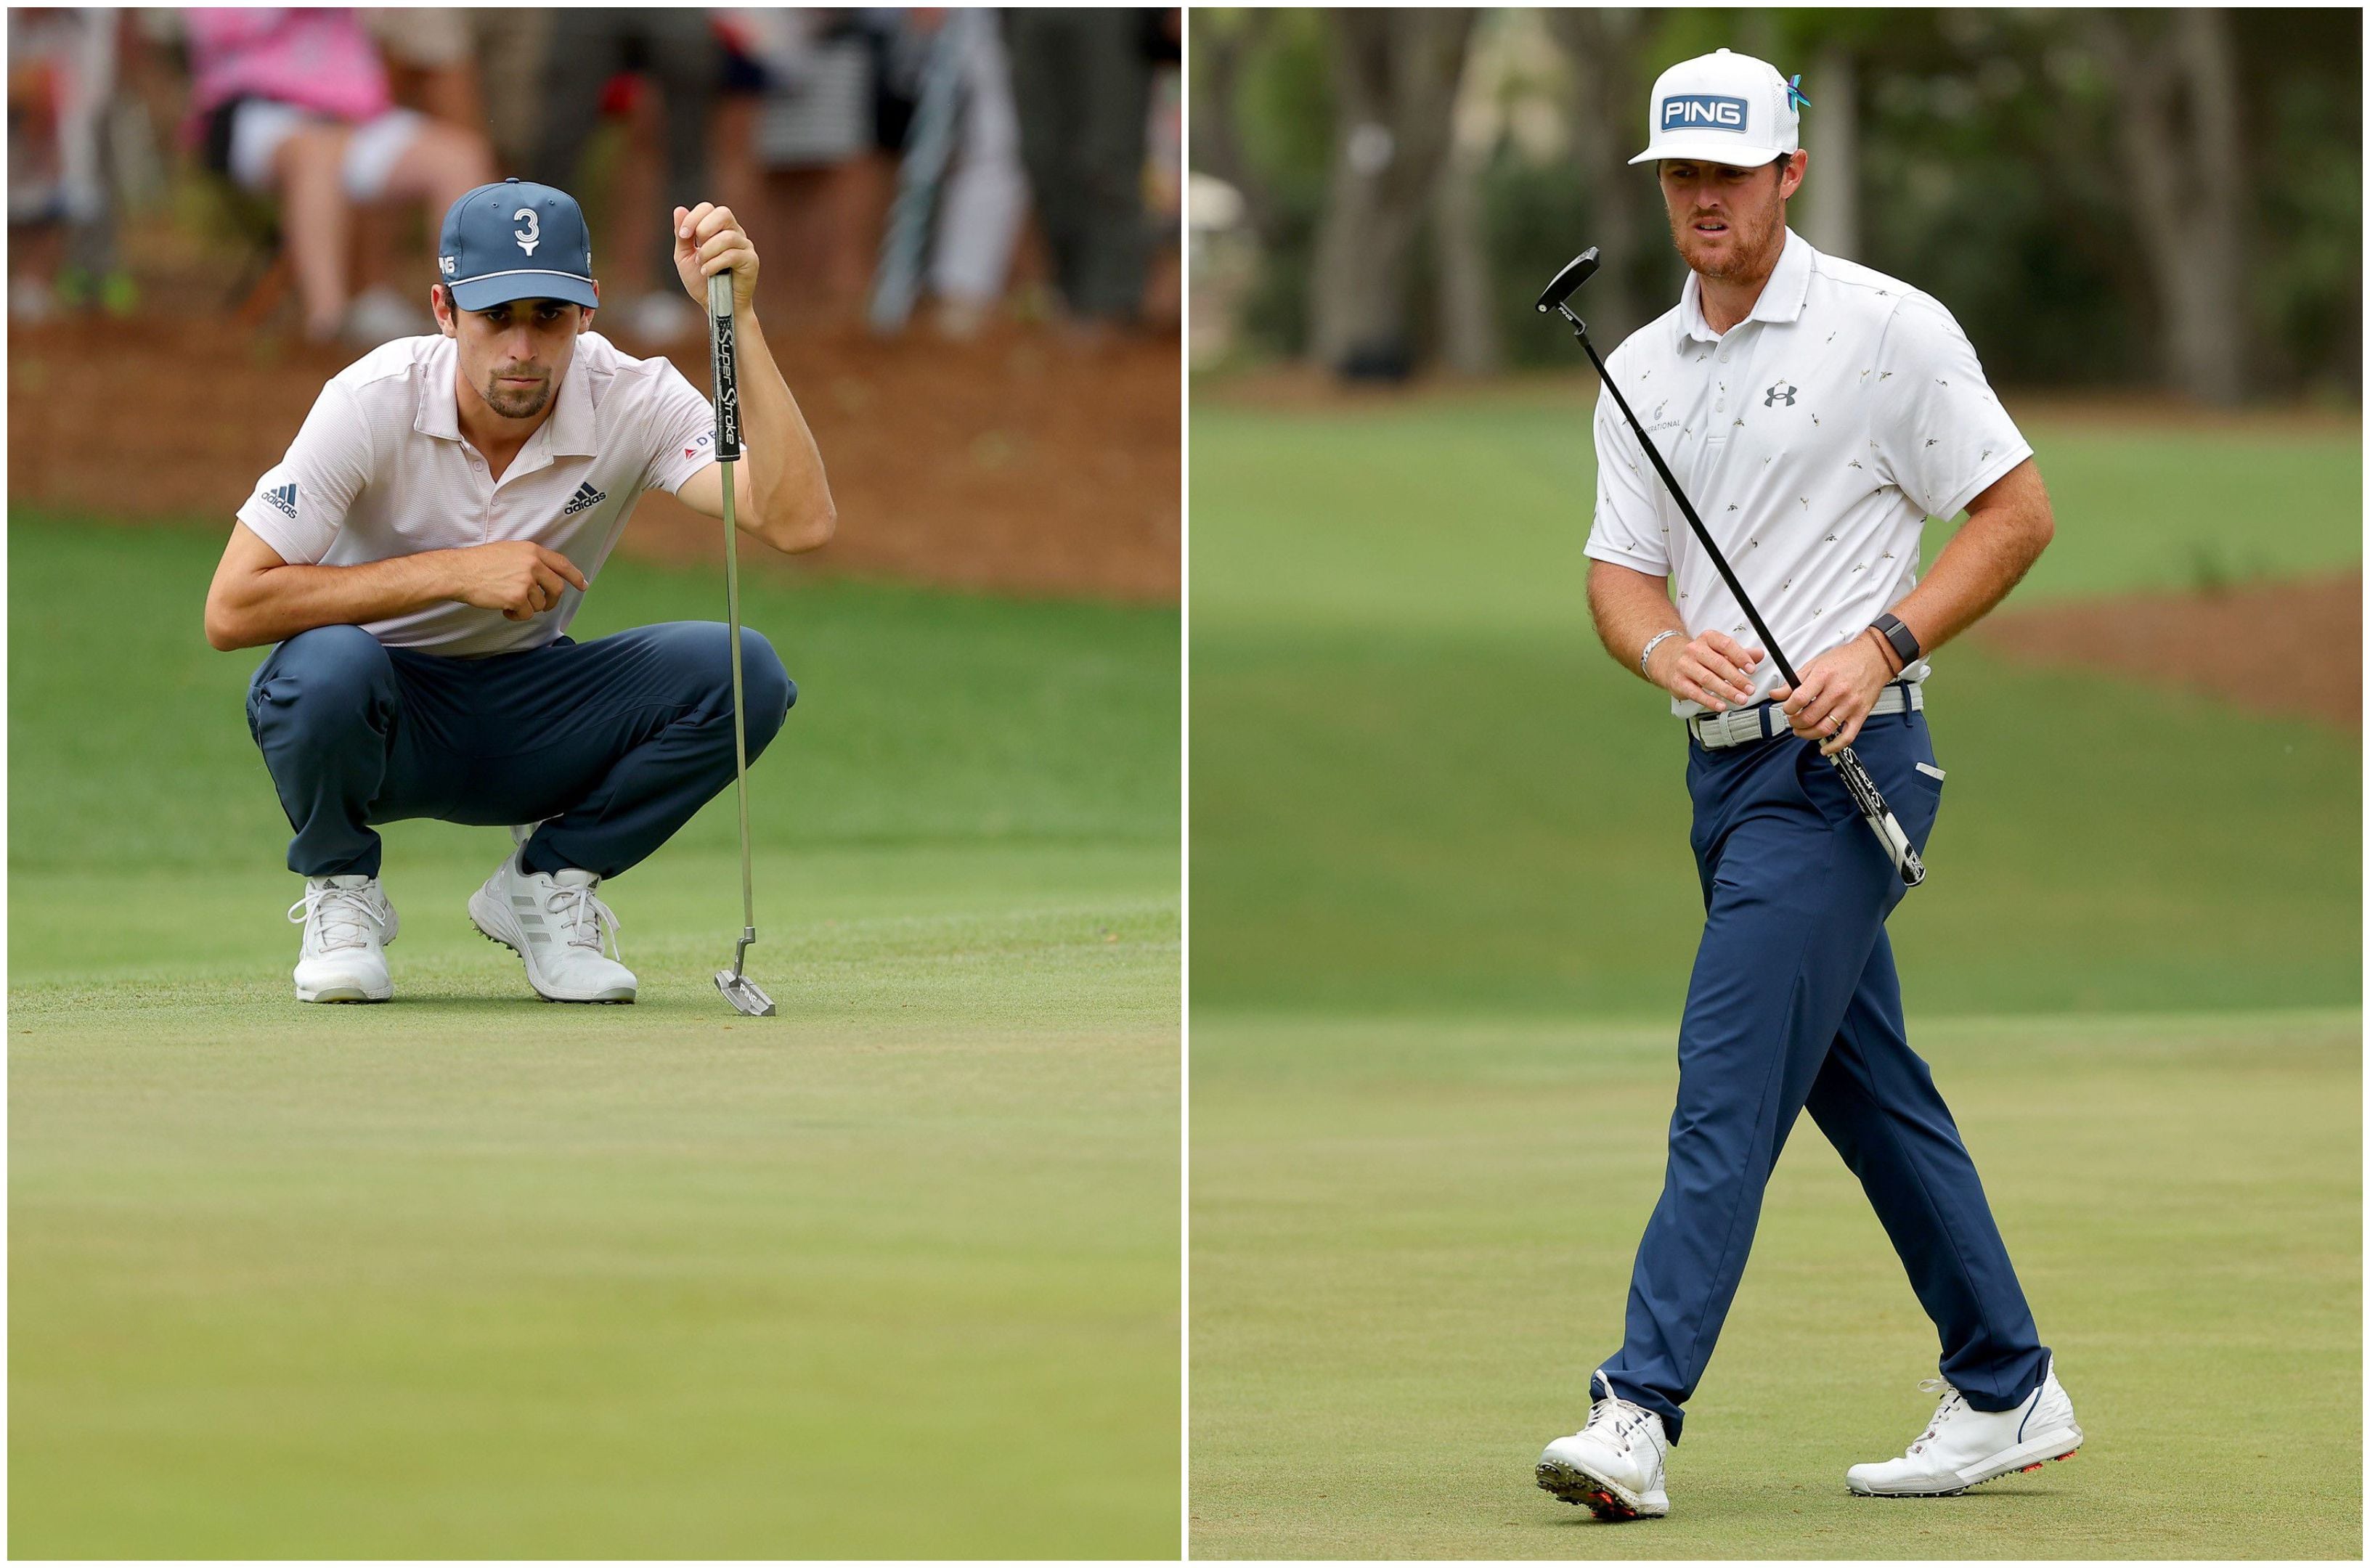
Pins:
x,y
1781,297
568,433
438,414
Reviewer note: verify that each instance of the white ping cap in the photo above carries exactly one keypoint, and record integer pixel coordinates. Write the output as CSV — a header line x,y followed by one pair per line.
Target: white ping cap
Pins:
x,y
1724,109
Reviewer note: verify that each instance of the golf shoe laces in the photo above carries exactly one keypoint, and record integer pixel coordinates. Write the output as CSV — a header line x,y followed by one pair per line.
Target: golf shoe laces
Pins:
x,y
587,921
341,911
1952,1399
1622,1418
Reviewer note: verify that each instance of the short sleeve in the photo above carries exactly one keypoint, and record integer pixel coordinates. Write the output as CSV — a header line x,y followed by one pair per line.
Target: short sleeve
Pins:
x,y
301,503
1942,434
686,423
1629,527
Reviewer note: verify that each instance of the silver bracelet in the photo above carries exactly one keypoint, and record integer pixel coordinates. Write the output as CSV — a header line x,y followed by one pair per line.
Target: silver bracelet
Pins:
x,y
1648,651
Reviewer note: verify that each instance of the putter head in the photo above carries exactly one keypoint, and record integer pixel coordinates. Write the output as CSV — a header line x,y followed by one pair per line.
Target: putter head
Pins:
x,y
742,993
1578,270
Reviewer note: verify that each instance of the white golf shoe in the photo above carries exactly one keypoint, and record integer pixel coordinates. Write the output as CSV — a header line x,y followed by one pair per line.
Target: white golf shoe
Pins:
x,y
348,924
1612,1466
554,922
1963,1446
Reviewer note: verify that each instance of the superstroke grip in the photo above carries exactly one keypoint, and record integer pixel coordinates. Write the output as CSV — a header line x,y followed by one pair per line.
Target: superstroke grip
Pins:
x,y
724,365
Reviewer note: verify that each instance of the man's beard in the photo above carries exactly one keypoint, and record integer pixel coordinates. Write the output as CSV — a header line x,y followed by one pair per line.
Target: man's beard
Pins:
x,y
1745,256
523,402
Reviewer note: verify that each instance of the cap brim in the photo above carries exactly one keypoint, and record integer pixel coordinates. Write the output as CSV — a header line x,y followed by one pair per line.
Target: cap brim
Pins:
x,y
484,294
1718,147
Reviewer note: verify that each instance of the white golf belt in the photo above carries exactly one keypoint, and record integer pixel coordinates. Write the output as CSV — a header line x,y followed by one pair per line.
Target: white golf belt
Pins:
x,y
1765,721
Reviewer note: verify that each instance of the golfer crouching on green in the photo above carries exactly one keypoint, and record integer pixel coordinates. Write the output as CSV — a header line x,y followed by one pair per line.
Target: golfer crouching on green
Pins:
x,y
418,557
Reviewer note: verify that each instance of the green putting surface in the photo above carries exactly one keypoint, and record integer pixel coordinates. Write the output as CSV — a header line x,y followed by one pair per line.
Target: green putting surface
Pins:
x,y
1412,1241
893,1274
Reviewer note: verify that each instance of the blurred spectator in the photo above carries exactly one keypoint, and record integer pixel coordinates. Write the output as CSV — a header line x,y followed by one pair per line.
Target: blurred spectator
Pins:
x,y
1083,82
961,190
733,133
511,51
431,54
677,52
295,103
826,178
1164,290
61,74
987,196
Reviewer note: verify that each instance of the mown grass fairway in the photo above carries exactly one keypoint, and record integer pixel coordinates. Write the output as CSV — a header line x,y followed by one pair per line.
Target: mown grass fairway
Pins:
x,y
467,1275
1419,782
1444,912
1397,1294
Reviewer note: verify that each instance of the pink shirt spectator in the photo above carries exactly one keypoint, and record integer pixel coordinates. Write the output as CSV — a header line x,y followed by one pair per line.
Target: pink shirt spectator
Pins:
x,y
316,60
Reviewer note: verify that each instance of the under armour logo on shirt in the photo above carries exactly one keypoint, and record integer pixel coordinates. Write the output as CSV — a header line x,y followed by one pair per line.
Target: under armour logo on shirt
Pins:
x,y
1781,393
585,496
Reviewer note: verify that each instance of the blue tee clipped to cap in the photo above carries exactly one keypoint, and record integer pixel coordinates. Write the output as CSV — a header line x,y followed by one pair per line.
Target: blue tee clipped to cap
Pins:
x,y
516,240
1794,99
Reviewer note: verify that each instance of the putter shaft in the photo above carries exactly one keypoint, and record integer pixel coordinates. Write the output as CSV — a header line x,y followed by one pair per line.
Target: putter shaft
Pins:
x,y
738,988
740,726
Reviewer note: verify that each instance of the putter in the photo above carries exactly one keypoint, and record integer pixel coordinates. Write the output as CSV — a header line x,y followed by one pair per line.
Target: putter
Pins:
x,y
1864,793
739,990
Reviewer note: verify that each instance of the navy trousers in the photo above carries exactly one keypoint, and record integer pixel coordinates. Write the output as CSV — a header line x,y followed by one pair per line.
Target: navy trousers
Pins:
x,y
616,741
1794,1002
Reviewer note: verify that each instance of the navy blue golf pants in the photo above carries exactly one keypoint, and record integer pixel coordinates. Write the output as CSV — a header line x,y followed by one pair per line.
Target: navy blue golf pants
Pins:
x,y
1794,1002
618,742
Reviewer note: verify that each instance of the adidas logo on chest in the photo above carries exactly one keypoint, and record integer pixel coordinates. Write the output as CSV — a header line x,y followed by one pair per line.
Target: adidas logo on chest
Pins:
x,y
585,496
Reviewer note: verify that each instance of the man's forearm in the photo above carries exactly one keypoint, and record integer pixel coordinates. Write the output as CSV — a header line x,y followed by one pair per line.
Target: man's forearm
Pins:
x,y
1629,608
1983,561
273,606
792,500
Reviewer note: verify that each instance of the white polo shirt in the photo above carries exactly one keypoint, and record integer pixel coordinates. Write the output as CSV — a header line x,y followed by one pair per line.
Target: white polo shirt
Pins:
x,y
1815,438
380,470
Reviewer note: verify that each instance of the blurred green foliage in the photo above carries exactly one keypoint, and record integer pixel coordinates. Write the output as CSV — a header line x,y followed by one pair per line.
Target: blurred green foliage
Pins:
x,y
1988,178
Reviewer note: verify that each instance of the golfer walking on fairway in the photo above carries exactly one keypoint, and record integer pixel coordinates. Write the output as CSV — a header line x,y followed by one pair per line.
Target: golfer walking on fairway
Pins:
x,y
418,557
1816,413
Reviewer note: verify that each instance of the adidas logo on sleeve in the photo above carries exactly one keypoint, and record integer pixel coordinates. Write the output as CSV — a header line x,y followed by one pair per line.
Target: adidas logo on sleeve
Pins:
x,y
585,496
285,497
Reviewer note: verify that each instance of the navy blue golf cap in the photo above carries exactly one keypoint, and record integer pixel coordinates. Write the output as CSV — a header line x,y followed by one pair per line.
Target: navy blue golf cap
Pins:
x,y
516,241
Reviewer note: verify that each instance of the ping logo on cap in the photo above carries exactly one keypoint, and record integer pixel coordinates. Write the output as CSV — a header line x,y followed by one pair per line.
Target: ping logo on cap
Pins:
x,y
1703,111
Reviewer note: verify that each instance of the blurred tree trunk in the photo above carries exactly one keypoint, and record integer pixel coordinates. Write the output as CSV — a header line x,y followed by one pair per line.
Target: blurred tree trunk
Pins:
x,y
1830,196
2177,129
1219,56
1395,79
1468,317
1608,124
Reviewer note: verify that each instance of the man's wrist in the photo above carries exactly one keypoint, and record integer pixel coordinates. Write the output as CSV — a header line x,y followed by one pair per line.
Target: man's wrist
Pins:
x,y
1646,654
1885,651
1897,636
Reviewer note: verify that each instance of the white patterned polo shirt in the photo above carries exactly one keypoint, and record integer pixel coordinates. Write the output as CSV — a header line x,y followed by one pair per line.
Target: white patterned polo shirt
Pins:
x,y
1815,437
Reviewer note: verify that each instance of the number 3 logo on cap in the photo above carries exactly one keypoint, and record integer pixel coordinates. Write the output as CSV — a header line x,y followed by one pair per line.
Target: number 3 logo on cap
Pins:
x,y
530,235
